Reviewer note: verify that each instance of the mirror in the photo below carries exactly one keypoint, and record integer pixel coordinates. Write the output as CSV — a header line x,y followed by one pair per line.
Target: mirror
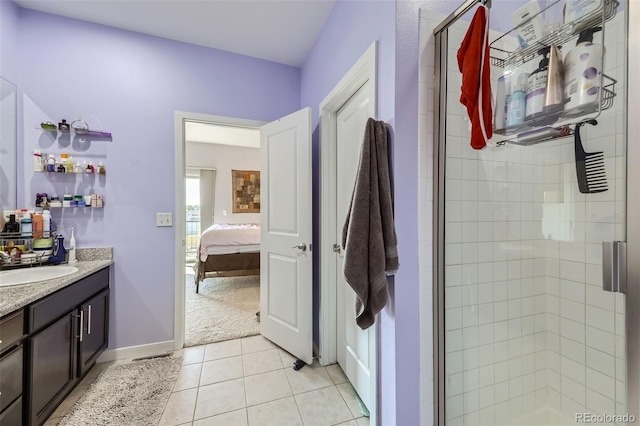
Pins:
x,y
8,144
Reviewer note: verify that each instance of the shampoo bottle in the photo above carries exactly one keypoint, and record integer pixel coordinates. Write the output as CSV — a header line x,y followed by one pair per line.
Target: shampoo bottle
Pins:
x,y
583,72
72,248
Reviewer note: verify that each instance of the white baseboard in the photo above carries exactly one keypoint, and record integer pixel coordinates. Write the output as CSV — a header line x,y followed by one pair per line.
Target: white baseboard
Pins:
x,y
152,349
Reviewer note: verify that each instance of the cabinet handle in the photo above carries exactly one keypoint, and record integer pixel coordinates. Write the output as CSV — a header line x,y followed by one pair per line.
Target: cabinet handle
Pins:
x,y
89,322
81,322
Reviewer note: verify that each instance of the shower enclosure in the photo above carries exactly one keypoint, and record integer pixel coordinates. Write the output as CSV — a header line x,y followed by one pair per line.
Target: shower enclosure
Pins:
x,y
525,332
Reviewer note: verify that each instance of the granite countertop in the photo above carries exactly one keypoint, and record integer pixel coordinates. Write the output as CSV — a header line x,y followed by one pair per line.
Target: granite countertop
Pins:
x,y
17,296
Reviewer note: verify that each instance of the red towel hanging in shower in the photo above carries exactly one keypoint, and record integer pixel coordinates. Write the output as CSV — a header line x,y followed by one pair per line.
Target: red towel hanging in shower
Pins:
x,y
473,62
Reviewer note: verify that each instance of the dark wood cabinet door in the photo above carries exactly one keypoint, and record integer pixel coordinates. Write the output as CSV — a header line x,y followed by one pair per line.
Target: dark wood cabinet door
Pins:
x,y
95,330
51,367
10,377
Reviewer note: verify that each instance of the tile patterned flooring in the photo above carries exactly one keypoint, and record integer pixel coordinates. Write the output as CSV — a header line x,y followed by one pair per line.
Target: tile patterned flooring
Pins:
x,y
248,382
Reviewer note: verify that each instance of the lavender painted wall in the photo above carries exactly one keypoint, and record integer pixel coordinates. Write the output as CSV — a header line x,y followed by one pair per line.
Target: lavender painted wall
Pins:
x,y
9,14
348,31
131,84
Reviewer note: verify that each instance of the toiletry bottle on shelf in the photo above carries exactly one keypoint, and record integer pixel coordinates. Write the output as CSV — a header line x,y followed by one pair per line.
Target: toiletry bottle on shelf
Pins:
x,y
37,225
499,116
69,164
51,163
516,106
583,72
60,164
577,9
46,223
26,225
63,126
101,169
85,166
12,226
78,168
529,24
90,169
72,248
37,160
537,87
554,100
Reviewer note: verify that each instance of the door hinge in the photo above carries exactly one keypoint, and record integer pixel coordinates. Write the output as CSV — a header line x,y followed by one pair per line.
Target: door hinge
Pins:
x,y
614,266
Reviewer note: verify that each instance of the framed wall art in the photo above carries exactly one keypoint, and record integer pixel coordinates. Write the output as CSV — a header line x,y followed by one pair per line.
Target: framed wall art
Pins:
x,y
246,191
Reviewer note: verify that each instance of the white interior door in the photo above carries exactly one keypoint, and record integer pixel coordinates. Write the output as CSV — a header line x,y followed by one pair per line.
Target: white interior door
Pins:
x,y
286,314
355,347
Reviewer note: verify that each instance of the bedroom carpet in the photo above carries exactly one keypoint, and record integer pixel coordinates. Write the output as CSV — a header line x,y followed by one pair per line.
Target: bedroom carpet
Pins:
x,y
224,309
133,394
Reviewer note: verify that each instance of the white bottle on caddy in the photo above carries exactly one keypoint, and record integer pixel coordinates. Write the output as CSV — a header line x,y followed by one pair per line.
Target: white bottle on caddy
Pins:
x,y
72,248
46,224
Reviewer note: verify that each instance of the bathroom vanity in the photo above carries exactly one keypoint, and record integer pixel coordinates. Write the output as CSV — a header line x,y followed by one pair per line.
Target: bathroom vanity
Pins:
x,y
51,333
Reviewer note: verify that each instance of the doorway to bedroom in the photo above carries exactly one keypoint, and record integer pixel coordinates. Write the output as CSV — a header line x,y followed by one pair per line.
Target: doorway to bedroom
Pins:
x,y
222,224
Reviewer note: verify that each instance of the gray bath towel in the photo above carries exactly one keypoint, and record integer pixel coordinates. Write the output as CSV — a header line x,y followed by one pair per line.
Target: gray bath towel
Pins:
x,y
369,235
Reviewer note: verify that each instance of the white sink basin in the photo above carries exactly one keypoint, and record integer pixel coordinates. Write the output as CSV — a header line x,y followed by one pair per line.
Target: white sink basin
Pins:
x,y
31,275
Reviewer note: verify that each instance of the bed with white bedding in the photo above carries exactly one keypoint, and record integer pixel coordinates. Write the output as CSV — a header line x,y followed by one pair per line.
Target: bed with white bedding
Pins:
x,y
229,249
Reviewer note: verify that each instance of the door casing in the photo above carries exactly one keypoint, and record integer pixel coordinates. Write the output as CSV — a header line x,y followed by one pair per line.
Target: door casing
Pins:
x,y
362,71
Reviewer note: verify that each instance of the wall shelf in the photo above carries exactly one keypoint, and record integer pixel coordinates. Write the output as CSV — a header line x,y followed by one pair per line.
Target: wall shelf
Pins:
x,y
98,135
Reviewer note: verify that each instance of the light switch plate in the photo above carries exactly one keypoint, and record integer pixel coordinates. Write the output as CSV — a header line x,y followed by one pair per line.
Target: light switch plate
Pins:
x,y
164,219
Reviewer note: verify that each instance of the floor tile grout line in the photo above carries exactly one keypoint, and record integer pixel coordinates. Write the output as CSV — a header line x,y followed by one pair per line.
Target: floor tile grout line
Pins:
x,y
345,401
313,390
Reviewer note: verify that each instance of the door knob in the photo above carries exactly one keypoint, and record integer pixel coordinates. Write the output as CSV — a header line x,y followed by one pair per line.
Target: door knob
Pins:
x,y
301,246
337,248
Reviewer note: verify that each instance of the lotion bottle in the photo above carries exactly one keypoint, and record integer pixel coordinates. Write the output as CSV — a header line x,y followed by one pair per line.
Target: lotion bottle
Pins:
x,y
72,248
583,72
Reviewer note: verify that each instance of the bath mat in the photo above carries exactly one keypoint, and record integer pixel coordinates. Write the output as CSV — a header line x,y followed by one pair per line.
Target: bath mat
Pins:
x,y
225,308
133,394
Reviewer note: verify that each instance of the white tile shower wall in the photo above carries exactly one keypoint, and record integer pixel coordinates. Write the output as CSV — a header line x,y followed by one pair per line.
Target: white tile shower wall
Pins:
x,y
585,325
527,324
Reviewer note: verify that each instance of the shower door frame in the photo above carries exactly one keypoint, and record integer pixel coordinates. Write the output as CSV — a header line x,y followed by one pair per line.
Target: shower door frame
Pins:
x,y
632,303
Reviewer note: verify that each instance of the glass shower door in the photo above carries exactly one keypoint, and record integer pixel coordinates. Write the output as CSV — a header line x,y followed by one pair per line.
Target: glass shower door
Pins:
x,y
530,336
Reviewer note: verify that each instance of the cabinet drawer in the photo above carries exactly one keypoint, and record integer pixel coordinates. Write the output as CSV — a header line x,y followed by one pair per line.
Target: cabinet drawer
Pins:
x,y
11,330
10,377
56,305
13,414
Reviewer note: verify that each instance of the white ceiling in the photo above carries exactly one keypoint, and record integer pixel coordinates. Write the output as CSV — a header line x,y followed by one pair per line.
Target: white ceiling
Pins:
x,y
282,31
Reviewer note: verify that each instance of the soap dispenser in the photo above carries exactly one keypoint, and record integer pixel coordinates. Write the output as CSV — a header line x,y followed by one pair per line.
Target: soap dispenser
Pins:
x,y
537,87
